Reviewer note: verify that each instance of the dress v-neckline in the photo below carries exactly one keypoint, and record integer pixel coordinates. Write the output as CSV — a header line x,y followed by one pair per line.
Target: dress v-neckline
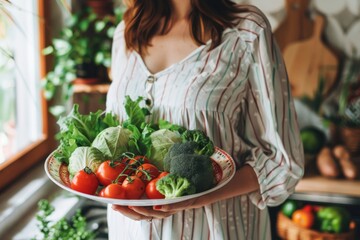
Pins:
x,y
170,67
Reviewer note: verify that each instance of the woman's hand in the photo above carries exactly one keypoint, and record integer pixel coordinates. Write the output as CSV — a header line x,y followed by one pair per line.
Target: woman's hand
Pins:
x,y
244,181
155,212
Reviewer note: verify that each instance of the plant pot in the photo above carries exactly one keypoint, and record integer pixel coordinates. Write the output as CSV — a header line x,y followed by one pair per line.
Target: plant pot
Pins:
x,y
86,70
101,7
90,73
87,73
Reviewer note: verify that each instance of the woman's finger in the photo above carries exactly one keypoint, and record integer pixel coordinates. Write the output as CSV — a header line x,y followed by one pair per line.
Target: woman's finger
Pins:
x,y
175,207
150,212
128,212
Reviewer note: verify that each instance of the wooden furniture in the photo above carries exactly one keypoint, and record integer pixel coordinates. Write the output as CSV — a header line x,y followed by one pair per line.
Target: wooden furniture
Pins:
x,y
326,190
90,97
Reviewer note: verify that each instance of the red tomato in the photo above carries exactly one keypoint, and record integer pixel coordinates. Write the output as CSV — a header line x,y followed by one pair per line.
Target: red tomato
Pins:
x,y
114,190
101,192
108,171
85,181
151,191
134,187
147,170
162,174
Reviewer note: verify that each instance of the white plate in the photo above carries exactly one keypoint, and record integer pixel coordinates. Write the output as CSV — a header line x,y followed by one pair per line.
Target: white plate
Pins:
x,y
225,170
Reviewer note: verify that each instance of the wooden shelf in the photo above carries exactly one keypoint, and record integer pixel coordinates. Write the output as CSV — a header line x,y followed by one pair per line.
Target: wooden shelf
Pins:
x,y
319,184
91,88
319,189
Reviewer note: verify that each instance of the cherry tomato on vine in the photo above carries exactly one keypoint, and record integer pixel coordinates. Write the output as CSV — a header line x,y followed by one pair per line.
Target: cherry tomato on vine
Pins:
x,y
114,190
151,191
147,170
108,172
101,192
136,160
85,181
134,187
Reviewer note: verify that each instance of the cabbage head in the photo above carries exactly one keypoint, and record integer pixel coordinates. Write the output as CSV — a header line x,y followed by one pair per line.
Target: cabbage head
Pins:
x,y
84,157
161,141
113,142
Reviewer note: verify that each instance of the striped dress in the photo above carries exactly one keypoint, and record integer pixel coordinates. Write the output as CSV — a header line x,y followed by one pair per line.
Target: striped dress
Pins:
x,y
239,94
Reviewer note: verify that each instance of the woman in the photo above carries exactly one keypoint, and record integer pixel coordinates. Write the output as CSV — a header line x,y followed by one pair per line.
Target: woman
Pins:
x,y
210,65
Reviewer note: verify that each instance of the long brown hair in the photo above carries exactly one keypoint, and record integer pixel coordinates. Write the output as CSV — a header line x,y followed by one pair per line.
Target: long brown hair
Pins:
x,y
143,17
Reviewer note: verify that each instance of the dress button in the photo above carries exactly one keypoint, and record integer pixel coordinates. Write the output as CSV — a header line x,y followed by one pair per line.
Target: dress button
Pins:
x,y
151,79
148,102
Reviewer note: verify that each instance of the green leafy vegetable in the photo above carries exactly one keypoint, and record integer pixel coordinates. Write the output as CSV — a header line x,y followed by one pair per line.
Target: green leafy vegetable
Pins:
x,y
163,124
80,130
63,229
172,186
161,141
204,145
196,168
136,114
136,122
113,142
85,157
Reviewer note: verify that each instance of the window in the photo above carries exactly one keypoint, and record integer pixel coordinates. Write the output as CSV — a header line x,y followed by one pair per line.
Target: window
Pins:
x,y
24,135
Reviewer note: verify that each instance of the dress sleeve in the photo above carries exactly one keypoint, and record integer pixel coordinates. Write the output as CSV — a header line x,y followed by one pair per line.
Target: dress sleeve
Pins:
x,y
271,129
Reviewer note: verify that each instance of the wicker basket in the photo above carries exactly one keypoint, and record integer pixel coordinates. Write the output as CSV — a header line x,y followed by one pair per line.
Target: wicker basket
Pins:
x,y
288,230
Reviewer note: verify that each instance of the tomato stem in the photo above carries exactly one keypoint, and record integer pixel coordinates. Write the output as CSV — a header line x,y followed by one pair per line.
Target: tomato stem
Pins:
x,y
88,170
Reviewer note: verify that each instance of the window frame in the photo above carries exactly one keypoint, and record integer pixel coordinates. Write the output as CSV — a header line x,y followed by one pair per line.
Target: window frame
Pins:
x,y
23,160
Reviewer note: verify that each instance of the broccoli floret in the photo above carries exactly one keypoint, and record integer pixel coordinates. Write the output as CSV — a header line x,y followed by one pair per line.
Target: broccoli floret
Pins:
x,y
172,186
177,149
204,145
196,168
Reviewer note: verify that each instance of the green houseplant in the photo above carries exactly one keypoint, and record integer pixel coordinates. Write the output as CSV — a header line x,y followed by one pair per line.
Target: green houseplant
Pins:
x,y
83,51
74,228
343,112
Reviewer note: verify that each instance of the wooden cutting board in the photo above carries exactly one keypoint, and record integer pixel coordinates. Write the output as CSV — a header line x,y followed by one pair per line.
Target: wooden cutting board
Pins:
x,y
308,60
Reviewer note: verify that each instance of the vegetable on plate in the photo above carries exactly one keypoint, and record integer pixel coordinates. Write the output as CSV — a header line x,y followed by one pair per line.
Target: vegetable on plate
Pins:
x,y
112,142
85,181
183,160
84,157
110,172
78,130
173,185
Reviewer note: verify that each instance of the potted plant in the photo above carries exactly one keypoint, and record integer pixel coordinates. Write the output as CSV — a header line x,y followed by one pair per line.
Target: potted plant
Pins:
x,y
82,53
345,114
101,7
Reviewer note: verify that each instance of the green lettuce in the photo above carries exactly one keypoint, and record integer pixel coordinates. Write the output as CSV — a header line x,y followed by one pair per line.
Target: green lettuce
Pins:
x,y
78,130
161,141
84,157
113,142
